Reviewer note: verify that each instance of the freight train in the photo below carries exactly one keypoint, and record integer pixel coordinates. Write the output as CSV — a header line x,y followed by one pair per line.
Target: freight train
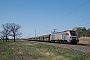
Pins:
x,y
67,36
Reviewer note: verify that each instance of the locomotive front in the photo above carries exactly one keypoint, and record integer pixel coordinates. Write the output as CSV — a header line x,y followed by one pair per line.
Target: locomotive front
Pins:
x,y
74,37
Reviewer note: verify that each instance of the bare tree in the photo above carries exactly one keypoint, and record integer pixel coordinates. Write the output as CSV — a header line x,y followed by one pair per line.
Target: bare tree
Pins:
x,y
2,35
15,30
6,30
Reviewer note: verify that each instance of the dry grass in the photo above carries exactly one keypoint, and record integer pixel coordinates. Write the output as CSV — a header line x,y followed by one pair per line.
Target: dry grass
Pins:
x,y
84,40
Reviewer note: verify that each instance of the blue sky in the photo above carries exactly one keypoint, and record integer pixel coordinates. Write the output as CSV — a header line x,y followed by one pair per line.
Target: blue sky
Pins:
x,y
44,15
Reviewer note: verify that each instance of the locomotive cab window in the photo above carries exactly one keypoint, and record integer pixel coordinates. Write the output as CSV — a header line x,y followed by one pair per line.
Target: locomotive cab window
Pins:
x,y
73,33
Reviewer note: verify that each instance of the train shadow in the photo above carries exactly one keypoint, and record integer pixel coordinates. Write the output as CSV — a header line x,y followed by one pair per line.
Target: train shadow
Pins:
x,y
83,44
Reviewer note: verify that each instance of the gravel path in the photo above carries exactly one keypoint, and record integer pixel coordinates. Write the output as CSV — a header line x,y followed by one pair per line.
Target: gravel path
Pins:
x,y
81,47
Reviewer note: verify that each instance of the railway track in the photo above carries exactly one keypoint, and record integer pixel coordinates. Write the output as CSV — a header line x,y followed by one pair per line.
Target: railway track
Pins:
x,y
81,47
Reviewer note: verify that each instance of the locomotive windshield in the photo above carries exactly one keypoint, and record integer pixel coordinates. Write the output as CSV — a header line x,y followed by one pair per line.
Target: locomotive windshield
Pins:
x,y
73,33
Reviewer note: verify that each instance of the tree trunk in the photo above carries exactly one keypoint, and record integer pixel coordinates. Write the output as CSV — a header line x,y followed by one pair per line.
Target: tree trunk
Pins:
x,y
6,38
14,37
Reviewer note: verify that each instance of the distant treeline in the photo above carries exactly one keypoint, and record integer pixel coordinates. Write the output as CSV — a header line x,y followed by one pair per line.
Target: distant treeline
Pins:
x,y
82,31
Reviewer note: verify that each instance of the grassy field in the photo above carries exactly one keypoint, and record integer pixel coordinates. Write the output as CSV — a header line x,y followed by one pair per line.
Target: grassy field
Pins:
x,y
24,50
